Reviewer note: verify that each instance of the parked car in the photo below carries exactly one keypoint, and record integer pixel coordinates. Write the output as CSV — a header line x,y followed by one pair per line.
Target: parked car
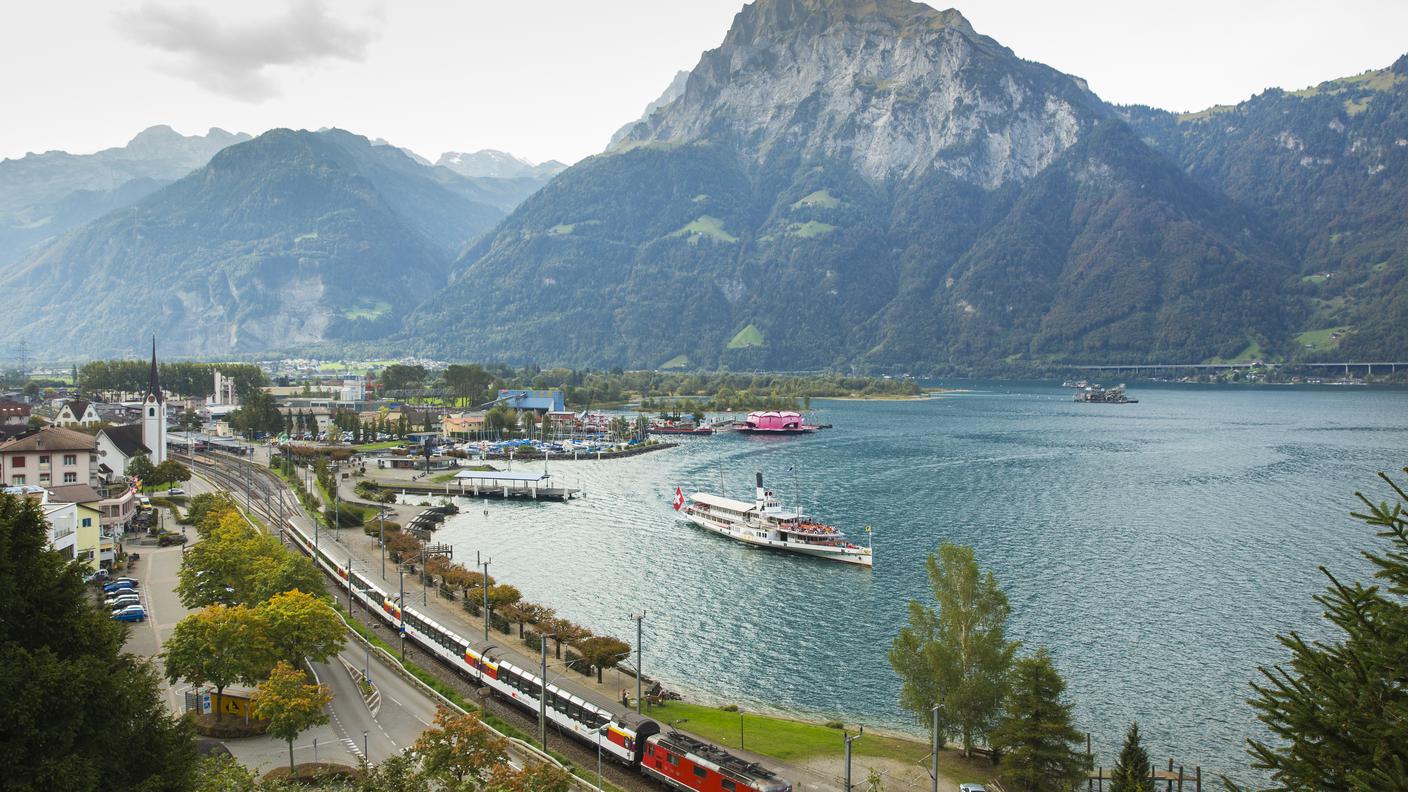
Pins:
x,y
120,583
131,613
97,577
972,788
119,601
167,539
176,491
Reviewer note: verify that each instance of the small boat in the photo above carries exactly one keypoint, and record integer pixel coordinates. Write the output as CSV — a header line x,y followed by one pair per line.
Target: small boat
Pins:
x,y
765,523
680,429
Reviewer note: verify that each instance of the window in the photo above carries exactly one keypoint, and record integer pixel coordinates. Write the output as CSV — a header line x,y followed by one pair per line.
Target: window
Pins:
x,y
17,481
70,459
44,459
151,412
43,478
700,772
87,522
728,785
70,478
19,462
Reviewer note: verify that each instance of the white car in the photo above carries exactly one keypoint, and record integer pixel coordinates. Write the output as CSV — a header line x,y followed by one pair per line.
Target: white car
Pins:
x,y
176,491
122,601
972,788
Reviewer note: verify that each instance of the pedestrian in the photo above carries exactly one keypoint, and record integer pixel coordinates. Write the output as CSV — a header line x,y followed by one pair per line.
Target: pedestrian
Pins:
x,y
625,700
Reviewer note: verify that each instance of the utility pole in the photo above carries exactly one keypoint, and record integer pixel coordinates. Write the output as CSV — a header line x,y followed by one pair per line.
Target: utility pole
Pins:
x,y
484,584
543,696
934,768
381,538
349,587
401,608
849,739
640,670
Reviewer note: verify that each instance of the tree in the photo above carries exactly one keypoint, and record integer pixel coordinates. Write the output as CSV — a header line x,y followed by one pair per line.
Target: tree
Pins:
x,y
172,472
603,651
399,376
536,777
80,713
290,704
140,467
299,625
461,748
1131,771
218,645
565,632
1340,706
1040,748
236,563
958,656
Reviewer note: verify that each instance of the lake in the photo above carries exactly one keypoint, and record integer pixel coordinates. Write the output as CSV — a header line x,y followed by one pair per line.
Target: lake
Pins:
x,y
1157,547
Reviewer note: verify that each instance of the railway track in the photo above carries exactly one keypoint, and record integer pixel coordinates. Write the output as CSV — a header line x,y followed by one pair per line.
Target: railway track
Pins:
x,y
266,496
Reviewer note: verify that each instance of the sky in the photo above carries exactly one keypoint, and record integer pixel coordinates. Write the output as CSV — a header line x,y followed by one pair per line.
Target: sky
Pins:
x,y
552,79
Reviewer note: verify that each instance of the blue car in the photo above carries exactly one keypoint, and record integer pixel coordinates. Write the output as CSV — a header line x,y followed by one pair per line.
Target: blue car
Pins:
x,y
131,613
120,583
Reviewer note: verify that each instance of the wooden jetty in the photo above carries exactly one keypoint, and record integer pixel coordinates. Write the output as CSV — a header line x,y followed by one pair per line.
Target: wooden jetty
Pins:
x,y
501,484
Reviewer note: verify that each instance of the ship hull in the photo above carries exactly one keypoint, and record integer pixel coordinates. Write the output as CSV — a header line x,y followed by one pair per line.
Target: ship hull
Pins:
x,y
764,538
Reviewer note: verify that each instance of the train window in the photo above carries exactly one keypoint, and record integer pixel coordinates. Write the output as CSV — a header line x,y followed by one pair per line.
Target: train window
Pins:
x,y
672,759
700,772
728,785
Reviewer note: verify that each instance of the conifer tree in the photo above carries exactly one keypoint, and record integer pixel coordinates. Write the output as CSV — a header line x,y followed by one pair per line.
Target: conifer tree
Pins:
x,y
1041,750
1339,707
1131,772
80,713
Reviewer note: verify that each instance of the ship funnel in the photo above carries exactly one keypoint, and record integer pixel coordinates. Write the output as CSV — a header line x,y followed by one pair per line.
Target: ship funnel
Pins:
x,y
760,495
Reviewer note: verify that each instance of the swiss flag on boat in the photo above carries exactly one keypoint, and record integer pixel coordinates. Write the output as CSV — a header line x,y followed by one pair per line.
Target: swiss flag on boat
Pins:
x,y
679,498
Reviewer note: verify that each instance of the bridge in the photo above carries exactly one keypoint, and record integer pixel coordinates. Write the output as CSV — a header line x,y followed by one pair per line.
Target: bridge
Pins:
x,y
1137,368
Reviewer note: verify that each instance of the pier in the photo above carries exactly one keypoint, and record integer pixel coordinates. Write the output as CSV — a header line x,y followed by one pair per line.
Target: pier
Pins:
x,y
499,484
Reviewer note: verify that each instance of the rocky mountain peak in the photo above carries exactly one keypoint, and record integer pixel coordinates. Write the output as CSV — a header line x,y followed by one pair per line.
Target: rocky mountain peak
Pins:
x,y
897,88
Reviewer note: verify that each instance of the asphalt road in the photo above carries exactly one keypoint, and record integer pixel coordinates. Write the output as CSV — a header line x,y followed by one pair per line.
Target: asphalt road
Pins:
x,y
404,711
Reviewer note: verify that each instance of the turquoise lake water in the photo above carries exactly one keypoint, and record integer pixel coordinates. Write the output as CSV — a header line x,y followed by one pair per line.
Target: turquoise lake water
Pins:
x,y
1157,548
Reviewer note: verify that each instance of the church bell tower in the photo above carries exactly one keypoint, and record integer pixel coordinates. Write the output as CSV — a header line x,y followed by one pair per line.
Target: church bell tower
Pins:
x,y
154,414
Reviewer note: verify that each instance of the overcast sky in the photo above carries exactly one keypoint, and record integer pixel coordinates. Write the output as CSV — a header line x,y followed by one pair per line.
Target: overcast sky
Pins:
x,y
552,79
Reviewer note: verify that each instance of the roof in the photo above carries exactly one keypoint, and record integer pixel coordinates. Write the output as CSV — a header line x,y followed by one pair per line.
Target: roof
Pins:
x,y
51,438
501,475
128,439
721,502
153,381
78,407
8,405
74,493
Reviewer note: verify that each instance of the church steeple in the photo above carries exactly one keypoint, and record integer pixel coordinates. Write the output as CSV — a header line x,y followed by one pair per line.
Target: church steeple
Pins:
x,y
153,381
154,414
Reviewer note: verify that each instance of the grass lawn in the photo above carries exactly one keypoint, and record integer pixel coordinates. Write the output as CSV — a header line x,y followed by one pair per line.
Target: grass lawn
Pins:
x,y
781,738
1247,355
705,226
678,361
749,336
1319,340
1316,279
810,229
820,198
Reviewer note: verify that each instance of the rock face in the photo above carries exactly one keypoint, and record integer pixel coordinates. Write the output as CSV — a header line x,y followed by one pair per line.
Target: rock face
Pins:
x,y
893,87
865,183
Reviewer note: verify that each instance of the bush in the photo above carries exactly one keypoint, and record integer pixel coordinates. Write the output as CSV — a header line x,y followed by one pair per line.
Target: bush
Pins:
x,y
835,725
230,726
729,708
374,527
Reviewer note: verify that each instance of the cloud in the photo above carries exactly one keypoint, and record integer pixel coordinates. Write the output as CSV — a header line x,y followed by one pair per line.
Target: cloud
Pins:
x,y
234,58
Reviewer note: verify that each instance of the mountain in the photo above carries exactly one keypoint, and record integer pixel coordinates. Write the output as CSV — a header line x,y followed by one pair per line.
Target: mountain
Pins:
x,y
868,183
291,238
44,195
1325,172
497,165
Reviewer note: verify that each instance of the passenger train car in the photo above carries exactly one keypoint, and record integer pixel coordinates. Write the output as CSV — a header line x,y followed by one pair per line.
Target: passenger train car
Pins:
x,y
678,761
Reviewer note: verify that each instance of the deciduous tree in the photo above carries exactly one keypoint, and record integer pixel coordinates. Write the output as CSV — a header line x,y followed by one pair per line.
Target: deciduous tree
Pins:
x,y
291,704
459,748
603,651
300,625
1040,748
957,656
536,777
218,645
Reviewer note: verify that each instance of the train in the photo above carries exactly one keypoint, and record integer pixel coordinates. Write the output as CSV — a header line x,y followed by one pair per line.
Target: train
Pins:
x,y
674,759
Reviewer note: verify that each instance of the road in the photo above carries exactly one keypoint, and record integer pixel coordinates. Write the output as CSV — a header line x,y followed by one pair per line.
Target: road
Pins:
x,y
403,714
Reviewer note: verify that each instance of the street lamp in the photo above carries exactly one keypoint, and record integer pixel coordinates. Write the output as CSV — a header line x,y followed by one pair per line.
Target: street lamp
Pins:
x,y
600,736
934,761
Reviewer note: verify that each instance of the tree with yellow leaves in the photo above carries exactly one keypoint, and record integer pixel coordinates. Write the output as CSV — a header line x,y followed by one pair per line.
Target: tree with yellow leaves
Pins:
x,y
460,748
291,704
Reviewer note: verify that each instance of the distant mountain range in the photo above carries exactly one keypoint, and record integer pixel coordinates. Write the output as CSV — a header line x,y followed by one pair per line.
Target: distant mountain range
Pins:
x,y
289,239
841,183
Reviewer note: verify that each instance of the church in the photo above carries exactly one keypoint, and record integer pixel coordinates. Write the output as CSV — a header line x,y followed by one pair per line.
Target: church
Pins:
x,y
118,445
